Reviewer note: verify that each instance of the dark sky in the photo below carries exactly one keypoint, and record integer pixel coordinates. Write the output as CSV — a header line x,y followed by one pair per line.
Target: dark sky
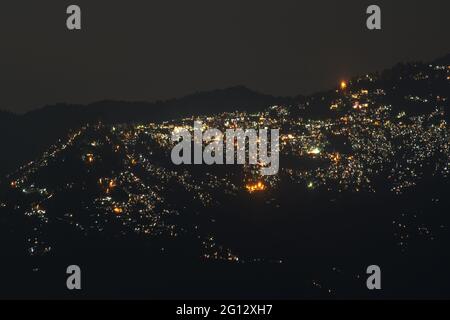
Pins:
x,y
152,49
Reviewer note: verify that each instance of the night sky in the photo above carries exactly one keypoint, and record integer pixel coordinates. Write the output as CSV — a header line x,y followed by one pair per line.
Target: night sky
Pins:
x,y
147,50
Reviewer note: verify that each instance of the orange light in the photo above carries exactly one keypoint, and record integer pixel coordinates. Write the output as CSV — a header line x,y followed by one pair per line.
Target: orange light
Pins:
x,y
90,158
343,85
336,157
117,210
112,184
13,184
259,186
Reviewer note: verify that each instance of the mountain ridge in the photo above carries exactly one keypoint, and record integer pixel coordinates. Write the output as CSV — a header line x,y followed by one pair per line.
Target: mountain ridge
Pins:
x,y
25,136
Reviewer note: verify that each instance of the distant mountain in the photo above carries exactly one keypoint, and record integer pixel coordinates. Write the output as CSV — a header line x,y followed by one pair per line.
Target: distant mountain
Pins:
x,y
366,181
445,60
237,98
26,136
406,86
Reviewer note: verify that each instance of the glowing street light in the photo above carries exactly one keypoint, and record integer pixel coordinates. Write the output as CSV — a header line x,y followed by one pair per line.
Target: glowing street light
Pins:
x,y
118,210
